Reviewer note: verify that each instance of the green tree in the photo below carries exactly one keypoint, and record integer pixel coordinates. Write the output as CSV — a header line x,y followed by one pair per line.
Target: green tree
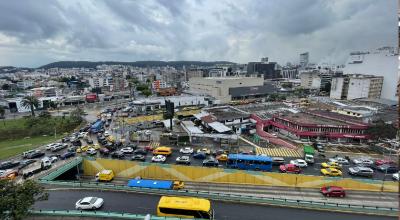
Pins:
x,y
146,92
77,114
2,113
382,130
17,198
30,102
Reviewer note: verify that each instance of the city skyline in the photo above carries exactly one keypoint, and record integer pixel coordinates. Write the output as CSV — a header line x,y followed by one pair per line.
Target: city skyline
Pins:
x,y
235,31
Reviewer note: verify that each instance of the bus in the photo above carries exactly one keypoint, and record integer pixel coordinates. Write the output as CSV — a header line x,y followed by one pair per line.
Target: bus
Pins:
x,y
249,162
185,207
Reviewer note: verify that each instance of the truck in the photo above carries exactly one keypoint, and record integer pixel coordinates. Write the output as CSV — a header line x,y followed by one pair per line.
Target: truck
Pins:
x,y
105,175
92,97
156,184
309,154
97,126
44,164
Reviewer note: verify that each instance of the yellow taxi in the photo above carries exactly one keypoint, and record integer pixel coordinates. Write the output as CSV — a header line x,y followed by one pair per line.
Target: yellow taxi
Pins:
x,y
331,165
331,172
82,149
204,150
222,157
96,146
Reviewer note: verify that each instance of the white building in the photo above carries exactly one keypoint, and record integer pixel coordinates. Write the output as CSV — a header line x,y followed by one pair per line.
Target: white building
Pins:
x,y
310,79
382,62
219,87
356,86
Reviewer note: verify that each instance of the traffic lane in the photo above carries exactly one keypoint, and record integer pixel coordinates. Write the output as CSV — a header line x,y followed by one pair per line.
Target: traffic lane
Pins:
x,y
146,204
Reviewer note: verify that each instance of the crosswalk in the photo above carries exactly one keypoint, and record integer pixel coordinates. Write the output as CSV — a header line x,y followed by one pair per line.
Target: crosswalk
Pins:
x,y
154,144
278,152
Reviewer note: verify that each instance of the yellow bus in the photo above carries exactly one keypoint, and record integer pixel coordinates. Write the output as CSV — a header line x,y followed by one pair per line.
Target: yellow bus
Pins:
x,y
185,207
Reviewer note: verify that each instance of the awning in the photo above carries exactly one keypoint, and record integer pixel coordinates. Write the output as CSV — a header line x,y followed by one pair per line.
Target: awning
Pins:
x,y
219,127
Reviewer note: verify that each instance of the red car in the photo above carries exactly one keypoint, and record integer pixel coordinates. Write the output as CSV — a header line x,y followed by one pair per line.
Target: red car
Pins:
x,y
383,161
333,191
289,168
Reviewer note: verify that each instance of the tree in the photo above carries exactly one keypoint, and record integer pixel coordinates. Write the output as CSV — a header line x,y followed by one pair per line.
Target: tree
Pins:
x,y
17,198
30,102
146,92
5,87
382,130
77,114
2,113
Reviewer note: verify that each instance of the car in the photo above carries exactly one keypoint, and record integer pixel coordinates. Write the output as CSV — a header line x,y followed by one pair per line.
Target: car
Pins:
x,y
320,148
200,155
222,157
383,161
299,162
278,161
89,141
65,139
127,150
119,144
26,153
26,163
53,158
219,152
331,165
9,174
186,150
147,132
104,151
331,172
363,161
183,160
72,149
339,160
387,168
67,155
158,158
82,149
149,148
50,146
77,143
139,157
204,150
59,147
333,191
210,162
8,164
89,203
106,134
289,168
91,151
118,155
132,145
35,154
140,151
361,171
395,176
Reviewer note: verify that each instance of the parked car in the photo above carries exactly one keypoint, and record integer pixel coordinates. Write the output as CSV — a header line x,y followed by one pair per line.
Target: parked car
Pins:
x,y
140,151
117,155
331,172
26,163
361,171
67,155
139,157
8,164
89,203
333,191
277,161
186,150
210,162
339,160
289,168
127,150
158,158
91,151
387,168
299,162
183,160
35,154
363,161
200,155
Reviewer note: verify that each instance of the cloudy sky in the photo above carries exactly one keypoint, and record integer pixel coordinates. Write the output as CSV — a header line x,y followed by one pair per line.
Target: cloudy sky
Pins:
x,y
36,32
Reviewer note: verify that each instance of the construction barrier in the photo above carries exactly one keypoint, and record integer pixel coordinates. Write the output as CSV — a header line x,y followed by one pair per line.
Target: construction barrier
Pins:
x,y
131,169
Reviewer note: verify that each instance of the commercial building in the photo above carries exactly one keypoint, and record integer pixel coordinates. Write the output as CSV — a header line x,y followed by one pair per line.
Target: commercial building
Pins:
x,y
226,89
310,79
382,62
304,59
356,86
268,70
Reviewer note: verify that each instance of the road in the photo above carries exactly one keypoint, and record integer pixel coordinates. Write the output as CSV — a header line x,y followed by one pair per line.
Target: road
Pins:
x,y
146,204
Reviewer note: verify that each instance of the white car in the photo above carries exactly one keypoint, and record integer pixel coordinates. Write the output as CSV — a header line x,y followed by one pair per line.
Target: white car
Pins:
x,y
127,150
339,160
158,158
147,132
395,176
362,161
299,163
82,134
91,151
51,146
106,134
53,159
186,150
89,203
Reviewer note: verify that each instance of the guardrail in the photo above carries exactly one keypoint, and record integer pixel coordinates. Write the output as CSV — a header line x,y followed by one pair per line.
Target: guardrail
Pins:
x,y
235,198
97,214
59,171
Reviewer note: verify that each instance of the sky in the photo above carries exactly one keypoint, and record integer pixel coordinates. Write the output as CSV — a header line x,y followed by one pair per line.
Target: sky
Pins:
x,y
37,32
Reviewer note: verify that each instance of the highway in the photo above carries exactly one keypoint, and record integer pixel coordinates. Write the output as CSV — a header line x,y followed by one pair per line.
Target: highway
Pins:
x,y
146,204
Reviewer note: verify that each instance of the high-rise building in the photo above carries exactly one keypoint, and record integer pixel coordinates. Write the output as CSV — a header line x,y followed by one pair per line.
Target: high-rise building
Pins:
x,y
356,86
304,59
265,69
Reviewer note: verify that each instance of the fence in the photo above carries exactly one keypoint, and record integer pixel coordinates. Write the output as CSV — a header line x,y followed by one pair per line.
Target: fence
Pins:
x,y
234,198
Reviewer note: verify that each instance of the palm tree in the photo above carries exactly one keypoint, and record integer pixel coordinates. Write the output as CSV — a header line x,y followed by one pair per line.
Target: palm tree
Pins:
x,y
30,102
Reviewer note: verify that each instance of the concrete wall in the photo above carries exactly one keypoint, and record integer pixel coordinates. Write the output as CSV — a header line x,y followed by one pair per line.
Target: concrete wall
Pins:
x,y
130,169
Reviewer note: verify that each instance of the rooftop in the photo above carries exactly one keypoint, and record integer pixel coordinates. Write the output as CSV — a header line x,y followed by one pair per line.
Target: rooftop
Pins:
x,y
225,113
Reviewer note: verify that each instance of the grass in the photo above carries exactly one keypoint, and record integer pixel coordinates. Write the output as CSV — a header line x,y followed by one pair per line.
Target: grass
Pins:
x,y
12,123
11,148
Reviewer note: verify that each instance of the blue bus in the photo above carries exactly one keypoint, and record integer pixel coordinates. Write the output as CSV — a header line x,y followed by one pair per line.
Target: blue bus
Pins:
x,y
249,162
